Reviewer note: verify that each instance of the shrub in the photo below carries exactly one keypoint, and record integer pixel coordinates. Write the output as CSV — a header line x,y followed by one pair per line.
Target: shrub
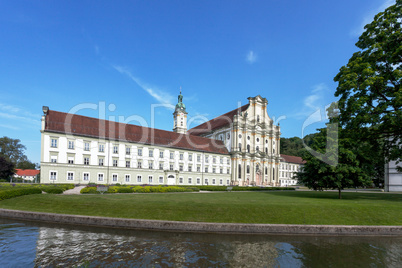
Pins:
x,y
6,194
53,190
89,190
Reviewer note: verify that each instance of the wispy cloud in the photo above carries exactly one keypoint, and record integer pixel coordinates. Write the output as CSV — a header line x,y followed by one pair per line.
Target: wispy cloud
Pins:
x,y
314,101
251,57
9,126
97,50
18,114
368,18
159,95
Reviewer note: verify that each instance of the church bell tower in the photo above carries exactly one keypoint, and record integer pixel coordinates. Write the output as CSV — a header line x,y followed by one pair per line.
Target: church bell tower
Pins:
x,y
180,116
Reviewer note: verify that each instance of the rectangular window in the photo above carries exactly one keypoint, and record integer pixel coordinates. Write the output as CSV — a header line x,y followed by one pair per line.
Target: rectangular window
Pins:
x,y
221,160
115,162
228,161
214,160
180,180
221,170
171,167
139,165
206,181
206,169
140,152
101,148
114,177
151,165
100,161
100,177
227,182
213,170
160,179
198,181
198,169
150,178
128,150
160,154
198,158
86,160
189,180
220,181
206,159
86,177
53,159
213,181
128,164
190,157
86,146
181,156
161,166
70,160
115,149
53,175
70,144
228,171
190,168
181,167
53,143
139,178
127,178
171,155
151,153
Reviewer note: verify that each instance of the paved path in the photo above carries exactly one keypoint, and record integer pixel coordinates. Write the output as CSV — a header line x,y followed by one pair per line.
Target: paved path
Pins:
x,y
76,190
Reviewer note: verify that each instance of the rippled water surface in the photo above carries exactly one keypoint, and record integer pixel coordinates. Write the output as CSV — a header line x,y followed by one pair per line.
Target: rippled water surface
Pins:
x,y
27,244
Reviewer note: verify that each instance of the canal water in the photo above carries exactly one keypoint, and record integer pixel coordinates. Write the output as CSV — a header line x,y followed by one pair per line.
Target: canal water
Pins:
x,y
29,244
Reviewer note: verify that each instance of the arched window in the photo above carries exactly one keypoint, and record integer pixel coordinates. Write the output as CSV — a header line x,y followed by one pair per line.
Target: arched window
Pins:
x,y
266,150
258,118
257,149
248,148
239,171
273,178
248,169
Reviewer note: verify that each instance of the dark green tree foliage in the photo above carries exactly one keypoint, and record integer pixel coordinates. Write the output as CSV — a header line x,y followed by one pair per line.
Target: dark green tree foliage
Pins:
x,y
6,169
26,165
294,146
12,150
370,84
350,170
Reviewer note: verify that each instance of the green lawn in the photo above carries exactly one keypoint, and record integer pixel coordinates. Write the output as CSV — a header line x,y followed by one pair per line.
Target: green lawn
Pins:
x,y
235,207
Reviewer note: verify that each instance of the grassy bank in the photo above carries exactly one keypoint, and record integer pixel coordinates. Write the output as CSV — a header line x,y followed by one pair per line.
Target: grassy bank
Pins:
x,y
236,207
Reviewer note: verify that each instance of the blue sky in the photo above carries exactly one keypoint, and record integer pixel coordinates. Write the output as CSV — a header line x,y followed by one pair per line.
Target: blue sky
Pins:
x,y
131,57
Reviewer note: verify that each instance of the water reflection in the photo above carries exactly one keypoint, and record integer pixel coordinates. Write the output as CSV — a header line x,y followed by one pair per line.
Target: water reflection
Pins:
x,y
30,244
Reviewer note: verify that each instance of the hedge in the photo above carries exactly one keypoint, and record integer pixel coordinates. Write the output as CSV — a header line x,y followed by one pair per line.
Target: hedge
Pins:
x,y
140,189
240,188
6,194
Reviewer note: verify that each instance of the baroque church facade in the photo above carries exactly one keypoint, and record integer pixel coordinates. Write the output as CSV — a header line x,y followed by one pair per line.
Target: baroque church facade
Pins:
x,y
240,147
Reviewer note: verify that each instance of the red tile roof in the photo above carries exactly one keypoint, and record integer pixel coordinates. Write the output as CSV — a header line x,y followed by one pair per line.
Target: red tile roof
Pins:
x,y
293,159
60,122
216,123
26,172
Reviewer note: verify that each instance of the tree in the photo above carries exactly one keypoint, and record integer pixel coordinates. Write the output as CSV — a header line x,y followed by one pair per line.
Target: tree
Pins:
x,y
12,150
6,169
369,86
349,171
294,146
26,164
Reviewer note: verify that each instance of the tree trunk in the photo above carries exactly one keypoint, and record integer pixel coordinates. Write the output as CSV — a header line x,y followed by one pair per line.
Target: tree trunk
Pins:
x,y
339,193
